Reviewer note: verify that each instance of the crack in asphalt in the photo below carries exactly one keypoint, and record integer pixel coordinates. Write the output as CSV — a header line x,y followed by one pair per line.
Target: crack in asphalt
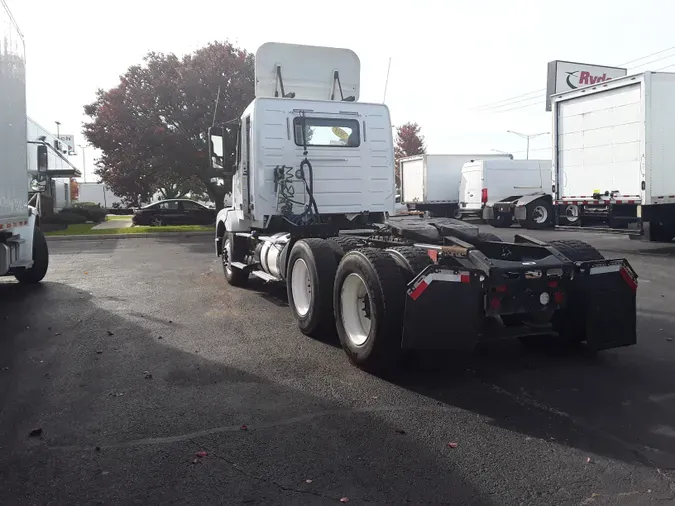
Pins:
x,y
265,425
258,477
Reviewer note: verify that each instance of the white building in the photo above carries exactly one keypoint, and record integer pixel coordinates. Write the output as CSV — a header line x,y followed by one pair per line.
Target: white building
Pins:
x,y
56,182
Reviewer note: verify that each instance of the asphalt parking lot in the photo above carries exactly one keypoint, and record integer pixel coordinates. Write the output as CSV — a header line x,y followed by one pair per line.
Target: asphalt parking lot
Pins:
x,y
134,357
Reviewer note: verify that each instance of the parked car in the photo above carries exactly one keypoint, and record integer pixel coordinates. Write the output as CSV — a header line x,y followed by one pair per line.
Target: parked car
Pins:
x,y
174,212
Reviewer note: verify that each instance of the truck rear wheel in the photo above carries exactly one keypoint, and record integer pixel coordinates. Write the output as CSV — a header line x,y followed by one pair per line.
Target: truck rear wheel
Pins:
x,y
38,271
234,250
343,244
570,321
539,215
577,251
369,300
411,260
311,273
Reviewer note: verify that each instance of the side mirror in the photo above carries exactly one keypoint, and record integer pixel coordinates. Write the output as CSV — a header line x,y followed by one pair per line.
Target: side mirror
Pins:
x,y
216,147
218,139
42,158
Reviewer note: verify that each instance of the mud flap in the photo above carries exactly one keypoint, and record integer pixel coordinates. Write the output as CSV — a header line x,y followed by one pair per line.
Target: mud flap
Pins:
x,y
444,309
605,293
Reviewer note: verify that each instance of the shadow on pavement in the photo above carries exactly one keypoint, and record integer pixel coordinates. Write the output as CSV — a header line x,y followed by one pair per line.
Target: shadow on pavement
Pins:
x,y
619,404
91,378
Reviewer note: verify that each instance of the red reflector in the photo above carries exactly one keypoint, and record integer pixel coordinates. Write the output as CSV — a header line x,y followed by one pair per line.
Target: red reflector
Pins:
x,y
433,254
465,278
628,279
500,288
495,303
419,289
483,195
552,284
559,297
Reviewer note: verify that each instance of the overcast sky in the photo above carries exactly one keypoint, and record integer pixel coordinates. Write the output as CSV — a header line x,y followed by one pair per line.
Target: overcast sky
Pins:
x,y
448,57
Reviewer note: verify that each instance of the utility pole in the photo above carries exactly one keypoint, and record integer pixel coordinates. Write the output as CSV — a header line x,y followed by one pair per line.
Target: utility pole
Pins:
x,y
84,163
528,137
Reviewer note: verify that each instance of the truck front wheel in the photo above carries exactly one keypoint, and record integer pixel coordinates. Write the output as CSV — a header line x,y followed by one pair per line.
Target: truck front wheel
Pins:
x,y
311,273
369,299
38,271
234,250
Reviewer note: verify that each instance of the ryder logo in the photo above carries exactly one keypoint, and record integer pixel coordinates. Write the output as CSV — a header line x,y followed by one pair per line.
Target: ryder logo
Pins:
x,y
584,79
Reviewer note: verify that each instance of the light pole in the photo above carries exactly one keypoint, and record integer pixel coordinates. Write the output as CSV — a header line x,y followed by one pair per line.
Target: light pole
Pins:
x,y
84,163
58,134
528,137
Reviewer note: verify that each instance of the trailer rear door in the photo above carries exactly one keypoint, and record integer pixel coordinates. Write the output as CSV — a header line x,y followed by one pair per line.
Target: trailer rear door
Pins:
x,y
412,180
599,142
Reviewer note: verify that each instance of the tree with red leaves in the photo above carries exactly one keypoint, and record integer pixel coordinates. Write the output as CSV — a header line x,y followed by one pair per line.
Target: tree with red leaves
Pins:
x,y
152,127
409,142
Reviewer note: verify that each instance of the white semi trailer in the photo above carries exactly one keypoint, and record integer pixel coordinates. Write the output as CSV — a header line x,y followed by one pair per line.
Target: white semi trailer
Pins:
x,y
23,248
613,154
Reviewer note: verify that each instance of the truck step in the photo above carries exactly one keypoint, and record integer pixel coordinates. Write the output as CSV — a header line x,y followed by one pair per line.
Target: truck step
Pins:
x,y
267,278
243,234
238,265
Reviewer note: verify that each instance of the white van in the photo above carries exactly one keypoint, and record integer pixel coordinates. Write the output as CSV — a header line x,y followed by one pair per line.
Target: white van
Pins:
x,y
489,181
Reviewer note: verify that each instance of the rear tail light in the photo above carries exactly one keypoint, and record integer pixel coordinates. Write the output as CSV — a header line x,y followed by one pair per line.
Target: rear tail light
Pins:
x,y
483,195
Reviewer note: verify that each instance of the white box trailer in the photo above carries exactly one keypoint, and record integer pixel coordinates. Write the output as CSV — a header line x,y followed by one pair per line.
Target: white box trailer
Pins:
x,y
23,248
431,182
614,154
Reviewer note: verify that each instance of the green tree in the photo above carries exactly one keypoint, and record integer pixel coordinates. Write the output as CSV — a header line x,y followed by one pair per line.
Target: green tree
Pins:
x,y
152,127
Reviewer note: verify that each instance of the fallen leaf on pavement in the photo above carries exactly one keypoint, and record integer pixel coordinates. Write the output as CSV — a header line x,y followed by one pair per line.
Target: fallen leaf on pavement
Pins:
x,y
588,459
111,333
452,445
147,375
243,427
308,481
344,499
400,431
201,454
35,432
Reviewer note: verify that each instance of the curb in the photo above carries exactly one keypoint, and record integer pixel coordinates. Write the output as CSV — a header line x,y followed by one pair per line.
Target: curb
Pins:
x,y
98,237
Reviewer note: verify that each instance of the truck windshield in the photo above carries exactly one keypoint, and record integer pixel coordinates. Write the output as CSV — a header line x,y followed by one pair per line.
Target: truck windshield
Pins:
x,y
327,132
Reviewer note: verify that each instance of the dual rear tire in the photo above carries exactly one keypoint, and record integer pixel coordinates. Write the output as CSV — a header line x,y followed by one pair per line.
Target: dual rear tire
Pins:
x,y
357,292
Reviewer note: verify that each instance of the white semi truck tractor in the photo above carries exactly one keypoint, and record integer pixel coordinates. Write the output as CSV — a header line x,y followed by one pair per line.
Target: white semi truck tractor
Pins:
x,y
23,248
313,194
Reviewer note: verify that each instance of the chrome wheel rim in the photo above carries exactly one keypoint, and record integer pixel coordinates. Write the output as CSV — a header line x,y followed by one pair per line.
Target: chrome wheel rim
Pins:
x,y
540,215
356,313
301,287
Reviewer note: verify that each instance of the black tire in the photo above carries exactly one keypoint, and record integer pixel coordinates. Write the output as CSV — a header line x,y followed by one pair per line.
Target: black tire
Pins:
x,y
534,210
655,231
577,251
321,264
385,286
573,211
570,321
501,220
489,237
343,244
411,260
38,271
235,253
